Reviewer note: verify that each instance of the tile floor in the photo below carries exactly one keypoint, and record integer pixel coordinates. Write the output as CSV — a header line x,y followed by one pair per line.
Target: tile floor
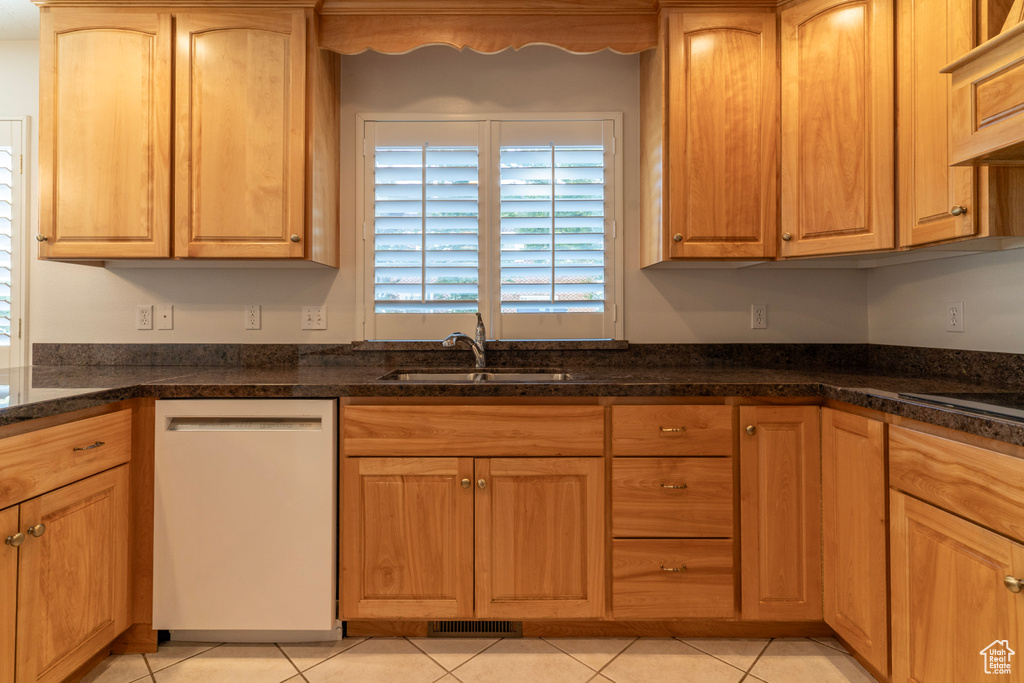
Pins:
x,y
525,660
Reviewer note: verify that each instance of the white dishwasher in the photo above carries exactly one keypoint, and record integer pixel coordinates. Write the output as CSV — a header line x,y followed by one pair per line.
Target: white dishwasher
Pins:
x,y
244,520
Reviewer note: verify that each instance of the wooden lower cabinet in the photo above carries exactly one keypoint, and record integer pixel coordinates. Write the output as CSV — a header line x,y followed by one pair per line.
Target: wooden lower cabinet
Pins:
x,y
853,491
421,534
8,592
72,579
780,513
950,608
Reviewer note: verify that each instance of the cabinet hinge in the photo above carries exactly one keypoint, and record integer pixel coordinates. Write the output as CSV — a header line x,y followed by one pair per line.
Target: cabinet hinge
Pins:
x,y
364,147
613,145
615,313
21,164
19,328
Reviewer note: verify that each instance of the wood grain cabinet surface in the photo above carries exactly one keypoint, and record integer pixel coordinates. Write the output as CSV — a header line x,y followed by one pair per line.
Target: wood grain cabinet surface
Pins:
x,y
503,538
939,202
837,193
780,509
72,579
254,107
714,107
854,527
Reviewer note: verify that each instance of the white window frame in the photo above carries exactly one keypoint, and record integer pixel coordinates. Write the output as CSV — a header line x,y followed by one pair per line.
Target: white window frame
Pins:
x,y
19,128
437,326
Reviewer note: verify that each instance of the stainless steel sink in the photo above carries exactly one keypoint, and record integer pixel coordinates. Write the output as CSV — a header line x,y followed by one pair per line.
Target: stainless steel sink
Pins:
x,y
476,377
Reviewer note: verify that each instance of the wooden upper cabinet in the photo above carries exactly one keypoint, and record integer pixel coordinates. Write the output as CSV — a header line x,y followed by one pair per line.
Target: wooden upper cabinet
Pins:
x,y
780,513
837,127
854,507
254,107
240,134
949,601
937,201
722,120
105,134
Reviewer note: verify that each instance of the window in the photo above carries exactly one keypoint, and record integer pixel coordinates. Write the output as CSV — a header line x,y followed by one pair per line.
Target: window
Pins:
x,y
515,218
12,205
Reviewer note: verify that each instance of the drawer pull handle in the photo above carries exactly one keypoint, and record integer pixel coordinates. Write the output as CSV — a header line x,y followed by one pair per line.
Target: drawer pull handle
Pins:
x,y
37,530
672,486
673,569
672,429
15,540
1013,584
89,447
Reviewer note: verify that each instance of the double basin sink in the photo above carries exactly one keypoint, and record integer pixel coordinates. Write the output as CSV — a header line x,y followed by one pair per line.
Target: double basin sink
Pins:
x,y
483,376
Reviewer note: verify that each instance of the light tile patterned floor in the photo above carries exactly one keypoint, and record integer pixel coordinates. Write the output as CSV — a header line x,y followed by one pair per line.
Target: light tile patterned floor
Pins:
x,y
511,660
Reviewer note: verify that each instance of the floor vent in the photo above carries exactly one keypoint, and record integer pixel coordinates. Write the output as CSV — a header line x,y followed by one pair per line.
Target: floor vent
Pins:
x,y
474,629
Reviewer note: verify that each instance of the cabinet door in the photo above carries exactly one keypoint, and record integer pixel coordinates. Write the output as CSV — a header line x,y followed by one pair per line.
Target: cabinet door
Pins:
x,y
837,127
8,592
932,33
105,134
73,579
723,135
407,538
853,492
949,603
240,135
540,538
780,513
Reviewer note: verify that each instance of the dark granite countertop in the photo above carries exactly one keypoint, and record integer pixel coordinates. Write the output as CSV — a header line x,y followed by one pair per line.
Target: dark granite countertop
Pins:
x,y
41,391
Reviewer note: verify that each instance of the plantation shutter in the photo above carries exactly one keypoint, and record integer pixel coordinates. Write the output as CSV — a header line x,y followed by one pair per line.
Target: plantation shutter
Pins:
x,y
426,226
12,133
554,228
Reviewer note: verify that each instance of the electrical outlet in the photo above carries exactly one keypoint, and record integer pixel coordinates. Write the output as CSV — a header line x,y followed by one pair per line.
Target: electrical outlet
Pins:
x,y
165,317
758,316
955,316
252,317
314,317
144,317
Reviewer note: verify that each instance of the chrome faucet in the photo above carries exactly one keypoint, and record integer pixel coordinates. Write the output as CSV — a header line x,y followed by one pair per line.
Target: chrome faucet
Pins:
x,y
478,346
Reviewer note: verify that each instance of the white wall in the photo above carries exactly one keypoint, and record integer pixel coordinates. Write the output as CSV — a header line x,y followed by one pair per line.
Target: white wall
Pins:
x,y
74,303
907,304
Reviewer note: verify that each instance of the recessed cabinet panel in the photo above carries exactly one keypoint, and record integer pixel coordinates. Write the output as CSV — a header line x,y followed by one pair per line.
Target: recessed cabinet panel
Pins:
x,y
949,602
837,127
240,102
73,576
408,538
105,135
931,34
722,133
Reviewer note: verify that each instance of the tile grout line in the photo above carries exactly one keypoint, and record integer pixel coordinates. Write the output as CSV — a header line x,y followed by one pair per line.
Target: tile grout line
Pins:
x,y
212,647
756,660
452,671
722,660
289,659
623,651
571,655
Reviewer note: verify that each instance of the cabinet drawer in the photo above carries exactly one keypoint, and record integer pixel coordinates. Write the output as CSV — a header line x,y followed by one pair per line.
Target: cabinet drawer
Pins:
x,y
643,587
977,483
41,461
672,497
672,430
492,430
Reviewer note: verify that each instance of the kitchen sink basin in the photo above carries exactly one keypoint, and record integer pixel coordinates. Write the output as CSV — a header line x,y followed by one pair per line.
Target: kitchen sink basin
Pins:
x,y
470,376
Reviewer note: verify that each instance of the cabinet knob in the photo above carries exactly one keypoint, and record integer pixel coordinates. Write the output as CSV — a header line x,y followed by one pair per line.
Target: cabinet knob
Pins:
x,y
673,569
672,486
15,540
751,429
677,237
958,210
481,483
37,530
294,238
1013,584
466,483
41,238
787,236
